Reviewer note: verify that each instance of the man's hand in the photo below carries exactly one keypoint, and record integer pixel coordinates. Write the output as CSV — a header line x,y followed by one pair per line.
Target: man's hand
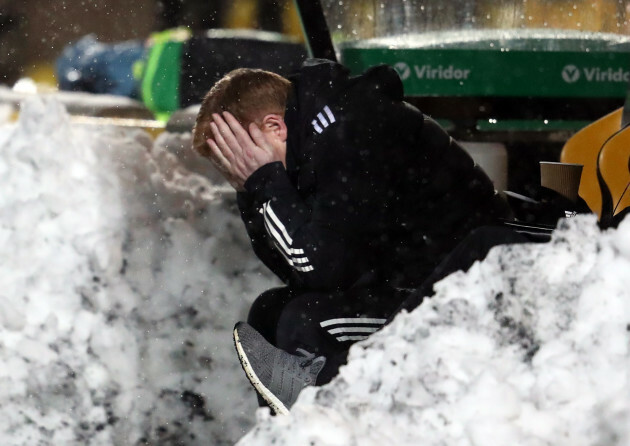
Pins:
x,y
238,153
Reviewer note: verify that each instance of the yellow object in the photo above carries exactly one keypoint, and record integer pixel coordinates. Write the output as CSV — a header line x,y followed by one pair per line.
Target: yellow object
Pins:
x,y
614,167
152,127
242,14
583,148
43,75
291,24
583,15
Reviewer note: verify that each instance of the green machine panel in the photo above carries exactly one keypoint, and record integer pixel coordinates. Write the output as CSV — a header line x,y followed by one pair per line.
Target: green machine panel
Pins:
x,y
592,66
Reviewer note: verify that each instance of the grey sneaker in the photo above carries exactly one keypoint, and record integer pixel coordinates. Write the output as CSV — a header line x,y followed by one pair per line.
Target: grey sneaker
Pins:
x,y
276,375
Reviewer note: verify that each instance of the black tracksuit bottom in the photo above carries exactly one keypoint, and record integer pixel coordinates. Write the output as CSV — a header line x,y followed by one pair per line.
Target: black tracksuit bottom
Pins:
x,y
323,323
328,323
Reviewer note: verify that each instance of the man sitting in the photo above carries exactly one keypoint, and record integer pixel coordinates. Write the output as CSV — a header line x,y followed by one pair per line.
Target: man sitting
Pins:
x,y
350,195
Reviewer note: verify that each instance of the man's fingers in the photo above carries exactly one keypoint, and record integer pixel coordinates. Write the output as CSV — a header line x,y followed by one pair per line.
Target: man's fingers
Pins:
x,y
230,169
258,136
239,132
236,145
219,159
227,135
228,150
220,142
233,155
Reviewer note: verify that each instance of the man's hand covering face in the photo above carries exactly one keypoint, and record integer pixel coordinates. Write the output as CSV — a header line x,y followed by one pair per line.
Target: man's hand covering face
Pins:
x,y
237,153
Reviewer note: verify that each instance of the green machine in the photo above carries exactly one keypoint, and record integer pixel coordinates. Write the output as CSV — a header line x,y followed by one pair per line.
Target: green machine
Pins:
x,y
523,73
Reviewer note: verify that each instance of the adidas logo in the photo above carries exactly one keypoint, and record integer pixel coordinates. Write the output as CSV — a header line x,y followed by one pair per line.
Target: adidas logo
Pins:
x,y
321,122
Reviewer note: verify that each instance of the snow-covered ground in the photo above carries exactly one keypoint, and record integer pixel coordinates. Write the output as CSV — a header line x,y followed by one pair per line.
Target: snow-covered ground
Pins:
x,y
124,269
122,274
530,347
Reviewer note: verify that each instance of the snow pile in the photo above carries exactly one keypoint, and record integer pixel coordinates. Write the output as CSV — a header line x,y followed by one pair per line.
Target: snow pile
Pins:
x,y
124,269
122,275
530,347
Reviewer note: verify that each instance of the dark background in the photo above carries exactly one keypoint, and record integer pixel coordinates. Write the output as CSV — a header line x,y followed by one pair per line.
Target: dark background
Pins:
x,y
34,32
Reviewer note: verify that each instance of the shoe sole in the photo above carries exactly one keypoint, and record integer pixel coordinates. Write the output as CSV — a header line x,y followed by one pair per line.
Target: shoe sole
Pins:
x,y
276,405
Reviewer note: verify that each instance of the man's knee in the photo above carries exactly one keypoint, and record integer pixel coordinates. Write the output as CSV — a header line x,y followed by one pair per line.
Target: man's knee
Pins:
x,y
300,310
299,322
269,299
266,309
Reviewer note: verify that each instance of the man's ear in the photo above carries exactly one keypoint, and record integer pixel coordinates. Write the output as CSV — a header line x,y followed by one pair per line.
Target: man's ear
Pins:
x,y
274,123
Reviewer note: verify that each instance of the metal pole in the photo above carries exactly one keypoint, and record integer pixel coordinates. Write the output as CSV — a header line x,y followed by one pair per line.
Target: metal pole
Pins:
x,y
316,29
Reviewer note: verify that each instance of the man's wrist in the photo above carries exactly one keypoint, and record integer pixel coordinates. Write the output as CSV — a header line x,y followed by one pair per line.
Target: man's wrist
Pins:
x,y
267,181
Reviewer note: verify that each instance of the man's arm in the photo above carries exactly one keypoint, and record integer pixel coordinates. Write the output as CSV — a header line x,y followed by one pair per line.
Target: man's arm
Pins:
x,y
237,157
318,247
320,241
261,242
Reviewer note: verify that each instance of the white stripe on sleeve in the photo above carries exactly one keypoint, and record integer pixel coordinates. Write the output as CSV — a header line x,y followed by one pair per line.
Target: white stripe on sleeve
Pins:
x,y
322,120
276,220
331,117
283,241
318,129
279,240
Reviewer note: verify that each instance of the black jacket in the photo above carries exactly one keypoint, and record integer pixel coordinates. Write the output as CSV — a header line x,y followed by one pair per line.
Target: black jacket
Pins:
x,y
373,192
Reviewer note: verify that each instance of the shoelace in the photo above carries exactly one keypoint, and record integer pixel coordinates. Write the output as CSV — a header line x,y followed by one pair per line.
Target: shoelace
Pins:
x,y
305,363
308,357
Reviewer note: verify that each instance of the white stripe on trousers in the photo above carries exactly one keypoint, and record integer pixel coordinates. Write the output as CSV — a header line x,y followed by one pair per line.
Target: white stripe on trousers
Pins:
x,y
352,320
351,338
353,330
